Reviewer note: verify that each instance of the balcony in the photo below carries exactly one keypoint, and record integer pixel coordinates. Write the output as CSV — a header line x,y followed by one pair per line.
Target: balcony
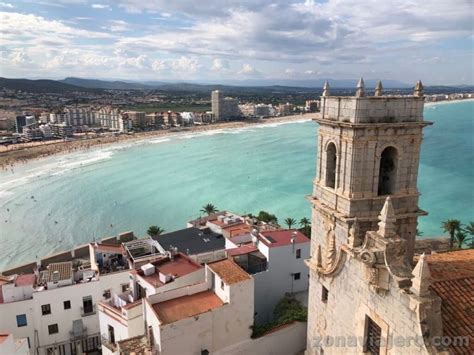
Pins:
x,y
108,344
88,311
78,330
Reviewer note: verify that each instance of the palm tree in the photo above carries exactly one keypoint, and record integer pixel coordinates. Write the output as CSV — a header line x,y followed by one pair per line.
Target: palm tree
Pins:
x,y
209,209
290,222
460,238
451,226
306,226
469,229
304,222
154,231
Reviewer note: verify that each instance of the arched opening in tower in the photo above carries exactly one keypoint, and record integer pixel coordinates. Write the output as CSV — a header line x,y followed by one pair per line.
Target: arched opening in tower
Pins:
x,y
331,160
388,171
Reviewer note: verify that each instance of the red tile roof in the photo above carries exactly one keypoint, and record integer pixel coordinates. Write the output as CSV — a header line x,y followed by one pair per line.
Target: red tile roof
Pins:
x,y
450,265
244,249
453,282
280,238
109,248
25,280
187,306
229,271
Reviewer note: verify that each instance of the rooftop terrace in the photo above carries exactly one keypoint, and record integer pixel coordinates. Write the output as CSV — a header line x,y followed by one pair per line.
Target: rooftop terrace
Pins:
x,y
187,306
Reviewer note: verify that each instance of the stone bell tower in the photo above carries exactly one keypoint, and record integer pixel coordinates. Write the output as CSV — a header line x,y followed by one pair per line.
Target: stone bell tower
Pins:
x,y
368,149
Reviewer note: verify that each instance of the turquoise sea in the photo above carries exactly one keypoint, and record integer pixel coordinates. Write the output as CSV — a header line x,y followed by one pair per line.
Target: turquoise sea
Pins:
x,y
54,203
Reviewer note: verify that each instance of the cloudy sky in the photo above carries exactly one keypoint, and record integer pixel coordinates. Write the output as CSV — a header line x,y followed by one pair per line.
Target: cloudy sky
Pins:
x,y
212,40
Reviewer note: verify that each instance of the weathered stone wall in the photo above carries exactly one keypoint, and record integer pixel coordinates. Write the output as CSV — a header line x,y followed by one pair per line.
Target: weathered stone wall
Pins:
x,y
372,109
343,316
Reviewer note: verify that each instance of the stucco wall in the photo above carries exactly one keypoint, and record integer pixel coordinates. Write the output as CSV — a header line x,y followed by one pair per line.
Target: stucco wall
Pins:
x,y
288,340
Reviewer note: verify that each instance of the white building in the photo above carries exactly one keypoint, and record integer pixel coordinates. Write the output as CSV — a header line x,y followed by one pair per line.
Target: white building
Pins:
x,y
224,108
54,308
213,311
276,261
11,346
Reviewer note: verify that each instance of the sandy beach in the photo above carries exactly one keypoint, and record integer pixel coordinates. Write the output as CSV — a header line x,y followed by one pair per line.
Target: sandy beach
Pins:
x,y
24,152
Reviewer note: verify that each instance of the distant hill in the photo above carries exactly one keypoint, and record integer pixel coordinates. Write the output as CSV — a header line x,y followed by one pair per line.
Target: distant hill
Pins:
x,y
108,85
246,87
41,86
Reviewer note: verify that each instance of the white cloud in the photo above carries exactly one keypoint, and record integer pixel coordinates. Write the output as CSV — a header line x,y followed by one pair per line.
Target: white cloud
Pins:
x,y
185,64
159,65
247,69
220,65
6,5
117,26
100,6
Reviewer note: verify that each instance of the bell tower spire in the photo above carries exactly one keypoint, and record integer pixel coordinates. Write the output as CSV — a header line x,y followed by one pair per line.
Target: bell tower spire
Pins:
x,y
368,156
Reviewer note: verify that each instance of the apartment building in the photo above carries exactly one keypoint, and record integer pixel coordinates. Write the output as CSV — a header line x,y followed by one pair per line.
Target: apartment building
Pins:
x,y
188,301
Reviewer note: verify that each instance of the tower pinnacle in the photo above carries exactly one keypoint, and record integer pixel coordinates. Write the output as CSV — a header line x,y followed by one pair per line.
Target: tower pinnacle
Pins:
x,y
360,89
422,277
326,89
378,89
418,89
387,219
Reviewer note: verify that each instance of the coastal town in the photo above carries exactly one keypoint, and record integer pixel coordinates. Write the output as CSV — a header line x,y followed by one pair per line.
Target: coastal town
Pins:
x,y
241,177
353,279
36,132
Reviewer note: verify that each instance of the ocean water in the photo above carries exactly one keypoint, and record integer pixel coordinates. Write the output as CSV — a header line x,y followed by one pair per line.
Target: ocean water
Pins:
x,y
55,203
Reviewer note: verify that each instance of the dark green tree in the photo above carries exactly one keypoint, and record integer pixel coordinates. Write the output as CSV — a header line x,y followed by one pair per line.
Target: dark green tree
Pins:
x,y
209,209
451,226
154,231
290,222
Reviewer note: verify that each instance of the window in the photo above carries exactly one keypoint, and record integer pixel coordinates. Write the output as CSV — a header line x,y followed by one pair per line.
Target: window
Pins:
x,y
106,294
125,287
387,171
298,253
324,294
372,337
331,160
87,305
297,276
21,320
67,304
45,309
53,328
222,284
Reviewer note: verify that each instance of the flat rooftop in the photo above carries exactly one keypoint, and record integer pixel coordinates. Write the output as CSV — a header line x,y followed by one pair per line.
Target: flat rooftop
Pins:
x,y
229,271
195,240
180,265
187,306
278,238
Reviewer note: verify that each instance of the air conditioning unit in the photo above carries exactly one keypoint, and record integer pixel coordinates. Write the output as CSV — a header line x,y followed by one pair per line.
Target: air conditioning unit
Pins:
x,y
164,278
148,269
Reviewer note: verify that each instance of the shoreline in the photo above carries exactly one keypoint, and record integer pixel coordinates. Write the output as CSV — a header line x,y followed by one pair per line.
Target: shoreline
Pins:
x,y
446,102
25,152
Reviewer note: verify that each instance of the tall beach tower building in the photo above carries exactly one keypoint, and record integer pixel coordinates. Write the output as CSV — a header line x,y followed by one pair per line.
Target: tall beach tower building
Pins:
x,y
217,100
